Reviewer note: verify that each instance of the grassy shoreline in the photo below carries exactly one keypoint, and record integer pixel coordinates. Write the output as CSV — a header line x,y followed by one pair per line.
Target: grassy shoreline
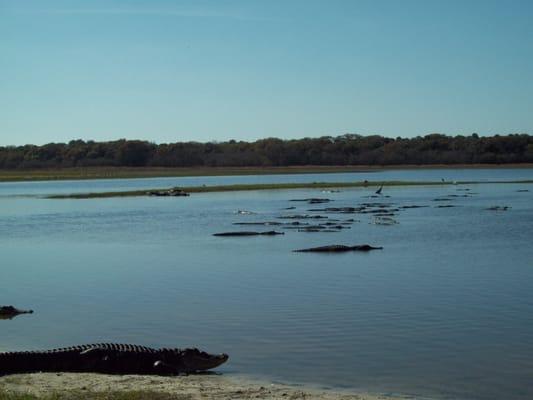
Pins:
x,y
158,172
275,186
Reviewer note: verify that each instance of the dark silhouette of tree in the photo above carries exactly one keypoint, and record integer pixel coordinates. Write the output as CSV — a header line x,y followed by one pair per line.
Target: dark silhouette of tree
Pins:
x,y
348,149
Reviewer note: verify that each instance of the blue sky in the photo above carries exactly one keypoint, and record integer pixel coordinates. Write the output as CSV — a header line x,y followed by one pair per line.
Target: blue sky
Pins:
x,y
170,71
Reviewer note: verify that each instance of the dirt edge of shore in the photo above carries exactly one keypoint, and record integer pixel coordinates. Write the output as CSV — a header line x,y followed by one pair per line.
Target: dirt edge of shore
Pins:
x,y
187,387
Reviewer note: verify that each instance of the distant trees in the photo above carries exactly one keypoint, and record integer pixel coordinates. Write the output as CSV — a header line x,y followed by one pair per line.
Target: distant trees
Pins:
x,y
347,149
134,153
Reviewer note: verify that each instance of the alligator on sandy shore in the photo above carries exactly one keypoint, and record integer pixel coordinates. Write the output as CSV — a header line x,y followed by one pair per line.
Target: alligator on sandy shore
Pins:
x,y
336,248
9,312
111,359
248,233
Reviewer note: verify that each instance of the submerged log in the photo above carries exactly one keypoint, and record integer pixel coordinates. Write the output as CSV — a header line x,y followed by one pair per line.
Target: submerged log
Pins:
x,y
338,248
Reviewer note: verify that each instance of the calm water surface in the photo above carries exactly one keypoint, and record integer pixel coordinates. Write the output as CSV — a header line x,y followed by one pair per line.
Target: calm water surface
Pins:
x,y
103,185
444,310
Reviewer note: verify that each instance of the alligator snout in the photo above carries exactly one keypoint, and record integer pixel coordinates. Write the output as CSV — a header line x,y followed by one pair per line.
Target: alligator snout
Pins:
x,y
224,357
219,360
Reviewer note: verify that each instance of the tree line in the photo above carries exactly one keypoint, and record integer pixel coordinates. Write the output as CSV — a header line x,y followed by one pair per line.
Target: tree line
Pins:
x,y
349,149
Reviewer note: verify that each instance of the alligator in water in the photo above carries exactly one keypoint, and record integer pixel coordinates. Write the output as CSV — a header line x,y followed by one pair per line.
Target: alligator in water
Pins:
x,y
258,223
341,210
9,312
313,200
498,208
302,216
336,248
249,233
174,192
111,359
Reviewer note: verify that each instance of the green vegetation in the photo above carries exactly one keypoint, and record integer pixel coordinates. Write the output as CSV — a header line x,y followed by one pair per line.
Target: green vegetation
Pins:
x,y
269,186
346,150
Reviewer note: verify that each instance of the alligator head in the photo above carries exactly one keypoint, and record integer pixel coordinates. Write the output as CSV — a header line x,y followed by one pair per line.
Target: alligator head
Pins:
x,y
189,360
9,312
196,360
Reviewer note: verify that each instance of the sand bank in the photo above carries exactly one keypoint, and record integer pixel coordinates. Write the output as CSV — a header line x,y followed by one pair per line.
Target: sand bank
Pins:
x,y
184,387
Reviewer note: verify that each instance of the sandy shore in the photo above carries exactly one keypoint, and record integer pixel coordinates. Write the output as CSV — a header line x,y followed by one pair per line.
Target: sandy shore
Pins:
x,y
186,387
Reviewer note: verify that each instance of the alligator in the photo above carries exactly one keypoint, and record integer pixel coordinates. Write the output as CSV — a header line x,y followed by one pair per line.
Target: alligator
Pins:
x,y
377,204
111,359
249,233
313,200
174,192
258,223
381,210
343,210
9,312
336,248
302,216
498,208
335,227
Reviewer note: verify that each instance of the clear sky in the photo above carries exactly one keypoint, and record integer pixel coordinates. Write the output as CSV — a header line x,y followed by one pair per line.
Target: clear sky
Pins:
x,y
169,71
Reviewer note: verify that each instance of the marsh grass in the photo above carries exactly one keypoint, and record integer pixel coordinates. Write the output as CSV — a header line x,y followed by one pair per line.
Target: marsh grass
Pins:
x,y
76,173
271,186
158,172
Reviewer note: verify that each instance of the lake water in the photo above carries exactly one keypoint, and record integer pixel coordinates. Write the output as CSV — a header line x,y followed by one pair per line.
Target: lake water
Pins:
x,y
445,310
419,175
